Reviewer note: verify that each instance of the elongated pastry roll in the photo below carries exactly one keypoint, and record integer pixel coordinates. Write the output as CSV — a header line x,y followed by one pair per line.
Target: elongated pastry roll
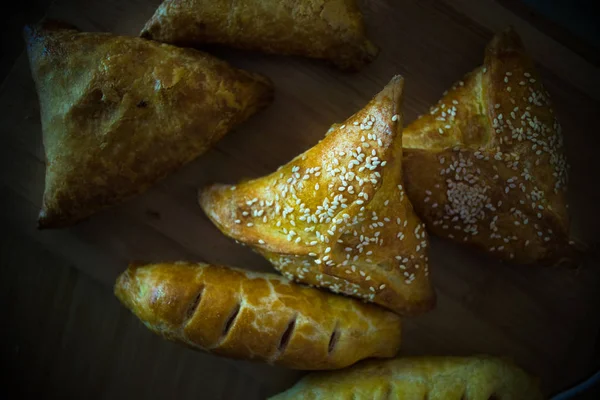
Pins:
x,y
326,29
486,166
336,216
119,113
256,316
434,378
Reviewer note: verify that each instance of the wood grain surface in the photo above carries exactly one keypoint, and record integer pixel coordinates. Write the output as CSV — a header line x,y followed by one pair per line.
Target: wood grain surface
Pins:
x,y
68,336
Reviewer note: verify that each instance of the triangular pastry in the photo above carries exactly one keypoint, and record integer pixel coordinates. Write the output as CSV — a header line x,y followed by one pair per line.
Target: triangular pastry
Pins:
x,y
119,113
326,29
443,378
486,166
336,216
256,316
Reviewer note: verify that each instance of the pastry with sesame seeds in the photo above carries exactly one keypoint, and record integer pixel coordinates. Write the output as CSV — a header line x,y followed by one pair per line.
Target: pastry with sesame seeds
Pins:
x,y
256,316
443,378
336,216
331,30
120,113
486,166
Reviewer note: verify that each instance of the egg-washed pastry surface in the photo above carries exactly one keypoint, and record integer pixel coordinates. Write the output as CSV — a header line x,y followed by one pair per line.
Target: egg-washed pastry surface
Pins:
x,y
326,29
119,113
432,378
257,316
336,216
486,166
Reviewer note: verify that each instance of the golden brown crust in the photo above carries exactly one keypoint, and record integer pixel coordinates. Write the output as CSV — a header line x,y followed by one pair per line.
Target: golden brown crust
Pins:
x,y
435,378
486,166
336,216
325,29
256,316
120,113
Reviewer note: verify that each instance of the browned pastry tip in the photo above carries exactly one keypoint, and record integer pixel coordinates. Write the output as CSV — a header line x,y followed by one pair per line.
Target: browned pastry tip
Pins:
x,y
486,166
336,216
120,113
332,30
256,316
447,378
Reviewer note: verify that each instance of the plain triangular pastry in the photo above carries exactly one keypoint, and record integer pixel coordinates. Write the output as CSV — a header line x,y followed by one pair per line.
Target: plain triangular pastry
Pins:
x,y
324,29
119,113
336,216
486,167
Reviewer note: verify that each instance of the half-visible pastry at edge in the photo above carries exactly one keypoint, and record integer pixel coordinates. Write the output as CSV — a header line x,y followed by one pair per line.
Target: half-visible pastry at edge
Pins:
x,y
119,113
443,378
486,167
325,29
336,216
257,316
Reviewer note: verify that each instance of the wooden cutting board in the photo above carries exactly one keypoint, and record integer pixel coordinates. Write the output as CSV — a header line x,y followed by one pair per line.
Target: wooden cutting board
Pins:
x,y
71,336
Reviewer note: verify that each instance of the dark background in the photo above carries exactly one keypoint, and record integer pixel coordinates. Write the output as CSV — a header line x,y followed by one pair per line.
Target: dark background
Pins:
x,y
62,292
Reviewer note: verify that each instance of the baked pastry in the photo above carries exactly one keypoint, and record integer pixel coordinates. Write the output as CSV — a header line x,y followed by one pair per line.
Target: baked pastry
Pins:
x,y
119,113
256,316
486,166
326,29
435,378
336,216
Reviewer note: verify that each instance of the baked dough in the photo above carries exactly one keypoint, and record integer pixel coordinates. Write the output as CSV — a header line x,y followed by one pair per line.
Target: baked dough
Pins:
x,y
486,167
119,113
327,29
431,378
256,316
336,216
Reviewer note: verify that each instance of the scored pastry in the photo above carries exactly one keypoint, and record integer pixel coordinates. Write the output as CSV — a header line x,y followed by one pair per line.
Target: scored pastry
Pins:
x,y
443,378
119,113
486,165
336,216
326,29
256,316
